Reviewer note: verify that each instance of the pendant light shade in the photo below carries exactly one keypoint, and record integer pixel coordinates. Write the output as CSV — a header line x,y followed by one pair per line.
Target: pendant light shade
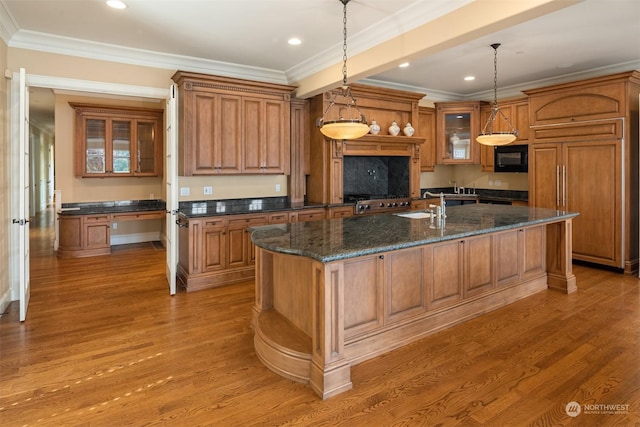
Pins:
x,y
344,120
488,136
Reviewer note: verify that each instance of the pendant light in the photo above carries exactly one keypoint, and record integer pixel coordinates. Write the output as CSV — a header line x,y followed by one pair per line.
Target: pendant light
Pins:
x,y
488,136
351,122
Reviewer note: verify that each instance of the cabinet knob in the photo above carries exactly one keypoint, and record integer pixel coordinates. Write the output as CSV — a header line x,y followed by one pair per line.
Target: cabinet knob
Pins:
x,y
381,257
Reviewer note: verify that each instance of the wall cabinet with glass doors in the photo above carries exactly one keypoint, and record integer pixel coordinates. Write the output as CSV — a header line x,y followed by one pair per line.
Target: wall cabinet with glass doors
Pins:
x,y
117,142
457,126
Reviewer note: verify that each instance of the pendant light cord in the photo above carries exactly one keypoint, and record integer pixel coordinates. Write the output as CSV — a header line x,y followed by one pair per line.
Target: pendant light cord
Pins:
x,y
344,44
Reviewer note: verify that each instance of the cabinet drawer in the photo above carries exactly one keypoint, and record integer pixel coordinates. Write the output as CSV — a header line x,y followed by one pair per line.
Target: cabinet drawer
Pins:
x,y
247,222
214,223
96,218
279,218
132,216
310,215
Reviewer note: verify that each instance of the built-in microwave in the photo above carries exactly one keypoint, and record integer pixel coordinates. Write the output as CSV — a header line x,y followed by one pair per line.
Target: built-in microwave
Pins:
x,y
511,158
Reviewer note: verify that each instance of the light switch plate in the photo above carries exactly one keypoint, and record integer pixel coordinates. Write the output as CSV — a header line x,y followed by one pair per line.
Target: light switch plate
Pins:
x,y
184,191
277,188
208,190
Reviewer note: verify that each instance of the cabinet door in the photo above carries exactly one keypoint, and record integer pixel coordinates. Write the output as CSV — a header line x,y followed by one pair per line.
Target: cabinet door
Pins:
x,y
266,137
405,287
545,175
458,125
508,256
148,161
121,144
94,146
593,177
237,247
478,274
520,119
216,139
214,243
96,232
486,151
427,129
363,296
447,274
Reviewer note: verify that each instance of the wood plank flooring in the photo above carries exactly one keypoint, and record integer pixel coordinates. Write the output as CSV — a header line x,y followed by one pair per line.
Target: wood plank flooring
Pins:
x,y
105,344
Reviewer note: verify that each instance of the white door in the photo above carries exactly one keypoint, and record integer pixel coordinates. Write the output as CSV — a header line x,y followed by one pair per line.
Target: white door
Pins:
x,y
171,169
21,215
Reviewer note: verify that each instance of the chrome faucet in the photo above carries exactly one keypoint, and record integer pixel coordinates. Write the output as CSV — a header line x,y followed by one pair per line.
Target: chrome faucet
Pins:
x,y
443,203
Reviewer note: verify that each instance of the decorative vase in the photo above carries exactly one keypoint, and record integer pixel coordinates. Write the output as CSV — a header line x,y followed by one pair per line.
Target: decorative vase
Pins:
x,y
454,139
408,130
374,128
394,129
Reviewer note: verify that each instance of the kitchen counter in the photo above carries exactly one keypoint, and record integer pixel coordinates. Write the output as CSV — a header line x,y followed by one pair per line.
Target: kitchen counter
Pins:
x,y
123,206
359,236
333,293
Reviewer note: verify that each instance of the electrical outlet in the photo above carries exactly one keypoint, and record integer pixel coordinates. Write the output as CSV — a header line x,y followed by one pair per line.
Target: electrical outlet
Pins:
x,y
184,191
208,190
490,183
277,188
498,183
114,226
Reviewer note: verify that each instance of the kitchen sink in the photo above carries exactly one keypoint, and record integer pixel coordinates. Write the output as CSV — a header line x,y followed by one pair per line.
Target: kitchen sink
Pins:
x,y
416,215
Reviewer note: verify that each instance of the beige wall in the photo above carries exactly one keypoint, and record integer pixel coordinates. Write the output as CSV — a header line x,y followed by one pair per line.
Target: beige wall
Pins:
x,y
4,183
77,190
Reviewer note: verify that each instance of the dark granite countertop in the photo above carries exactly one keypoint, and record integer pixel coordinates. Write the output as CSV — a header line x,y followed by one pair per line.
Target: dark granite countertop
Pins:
x,y
335,239
93,208
205,208
486,194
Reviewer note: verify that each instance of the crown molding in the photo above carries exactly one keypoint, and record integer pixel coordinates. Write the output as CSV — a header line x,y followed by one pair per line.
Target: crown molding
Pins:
x,y
43,42
507,92
394,25
8,25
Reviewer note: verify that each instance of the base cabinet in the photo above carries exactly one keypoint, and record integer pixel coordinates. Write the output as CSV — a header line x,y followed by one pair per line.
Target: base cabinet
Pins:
x,y
84,235
216,251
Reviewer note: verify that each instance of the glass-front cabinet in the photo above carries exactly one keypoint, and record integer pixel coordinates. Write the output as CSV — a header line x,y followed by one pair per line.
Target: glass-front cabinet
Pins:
x,y
117,141
458,125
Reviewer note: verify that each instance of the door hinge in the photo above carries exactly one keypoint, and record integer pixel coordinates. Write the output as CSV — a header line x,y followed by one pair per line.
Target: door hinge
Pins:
x,y
20,221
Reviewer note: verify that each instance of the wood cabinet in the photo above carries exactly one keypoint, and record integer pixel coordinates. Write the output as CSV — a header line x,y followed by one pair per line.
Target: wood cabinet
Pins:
x,y
457,126
426,128
325,181
519,255
84,235
517,111
299,151
583,158
117,141
216,251
232,126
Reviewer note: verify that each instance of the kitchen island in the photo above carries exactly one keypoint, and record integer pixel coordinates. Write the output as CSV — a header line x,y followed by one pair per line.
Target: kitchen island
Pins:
x,y
333,293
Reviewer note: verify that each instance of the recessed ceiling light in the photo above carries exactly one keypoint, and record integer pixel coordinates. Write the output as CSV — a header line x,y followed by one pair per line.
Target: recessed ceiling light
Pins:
x,y
469,78
404,65
116,4
294,41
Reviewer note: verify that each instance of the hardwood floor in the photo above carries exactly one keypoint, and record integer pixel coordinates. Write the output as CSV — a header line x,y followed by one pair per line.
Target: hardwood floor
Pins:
x,y
105,344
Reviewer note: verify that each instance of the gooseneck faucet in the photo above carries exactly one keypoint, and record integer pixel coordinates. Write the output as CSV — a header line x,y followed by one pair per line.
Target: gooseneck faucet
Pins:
x,y
443,202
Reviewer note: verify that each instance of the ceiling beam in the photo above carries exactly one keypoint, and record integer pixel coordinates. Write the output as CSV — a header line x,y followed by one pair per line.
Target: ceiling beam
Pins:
x,y
477,19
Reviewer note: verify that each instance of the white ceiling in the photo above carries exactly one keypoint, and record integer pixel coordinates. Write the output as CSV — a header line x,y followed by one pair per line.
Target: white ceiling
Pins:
x,y
248,38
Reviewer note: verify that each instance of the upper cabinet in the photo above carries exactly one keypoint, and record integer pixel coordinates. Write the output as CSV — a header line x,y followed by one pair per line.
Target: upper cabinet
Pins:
x,y
117,141
517,111
457,126
232,126
427,129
